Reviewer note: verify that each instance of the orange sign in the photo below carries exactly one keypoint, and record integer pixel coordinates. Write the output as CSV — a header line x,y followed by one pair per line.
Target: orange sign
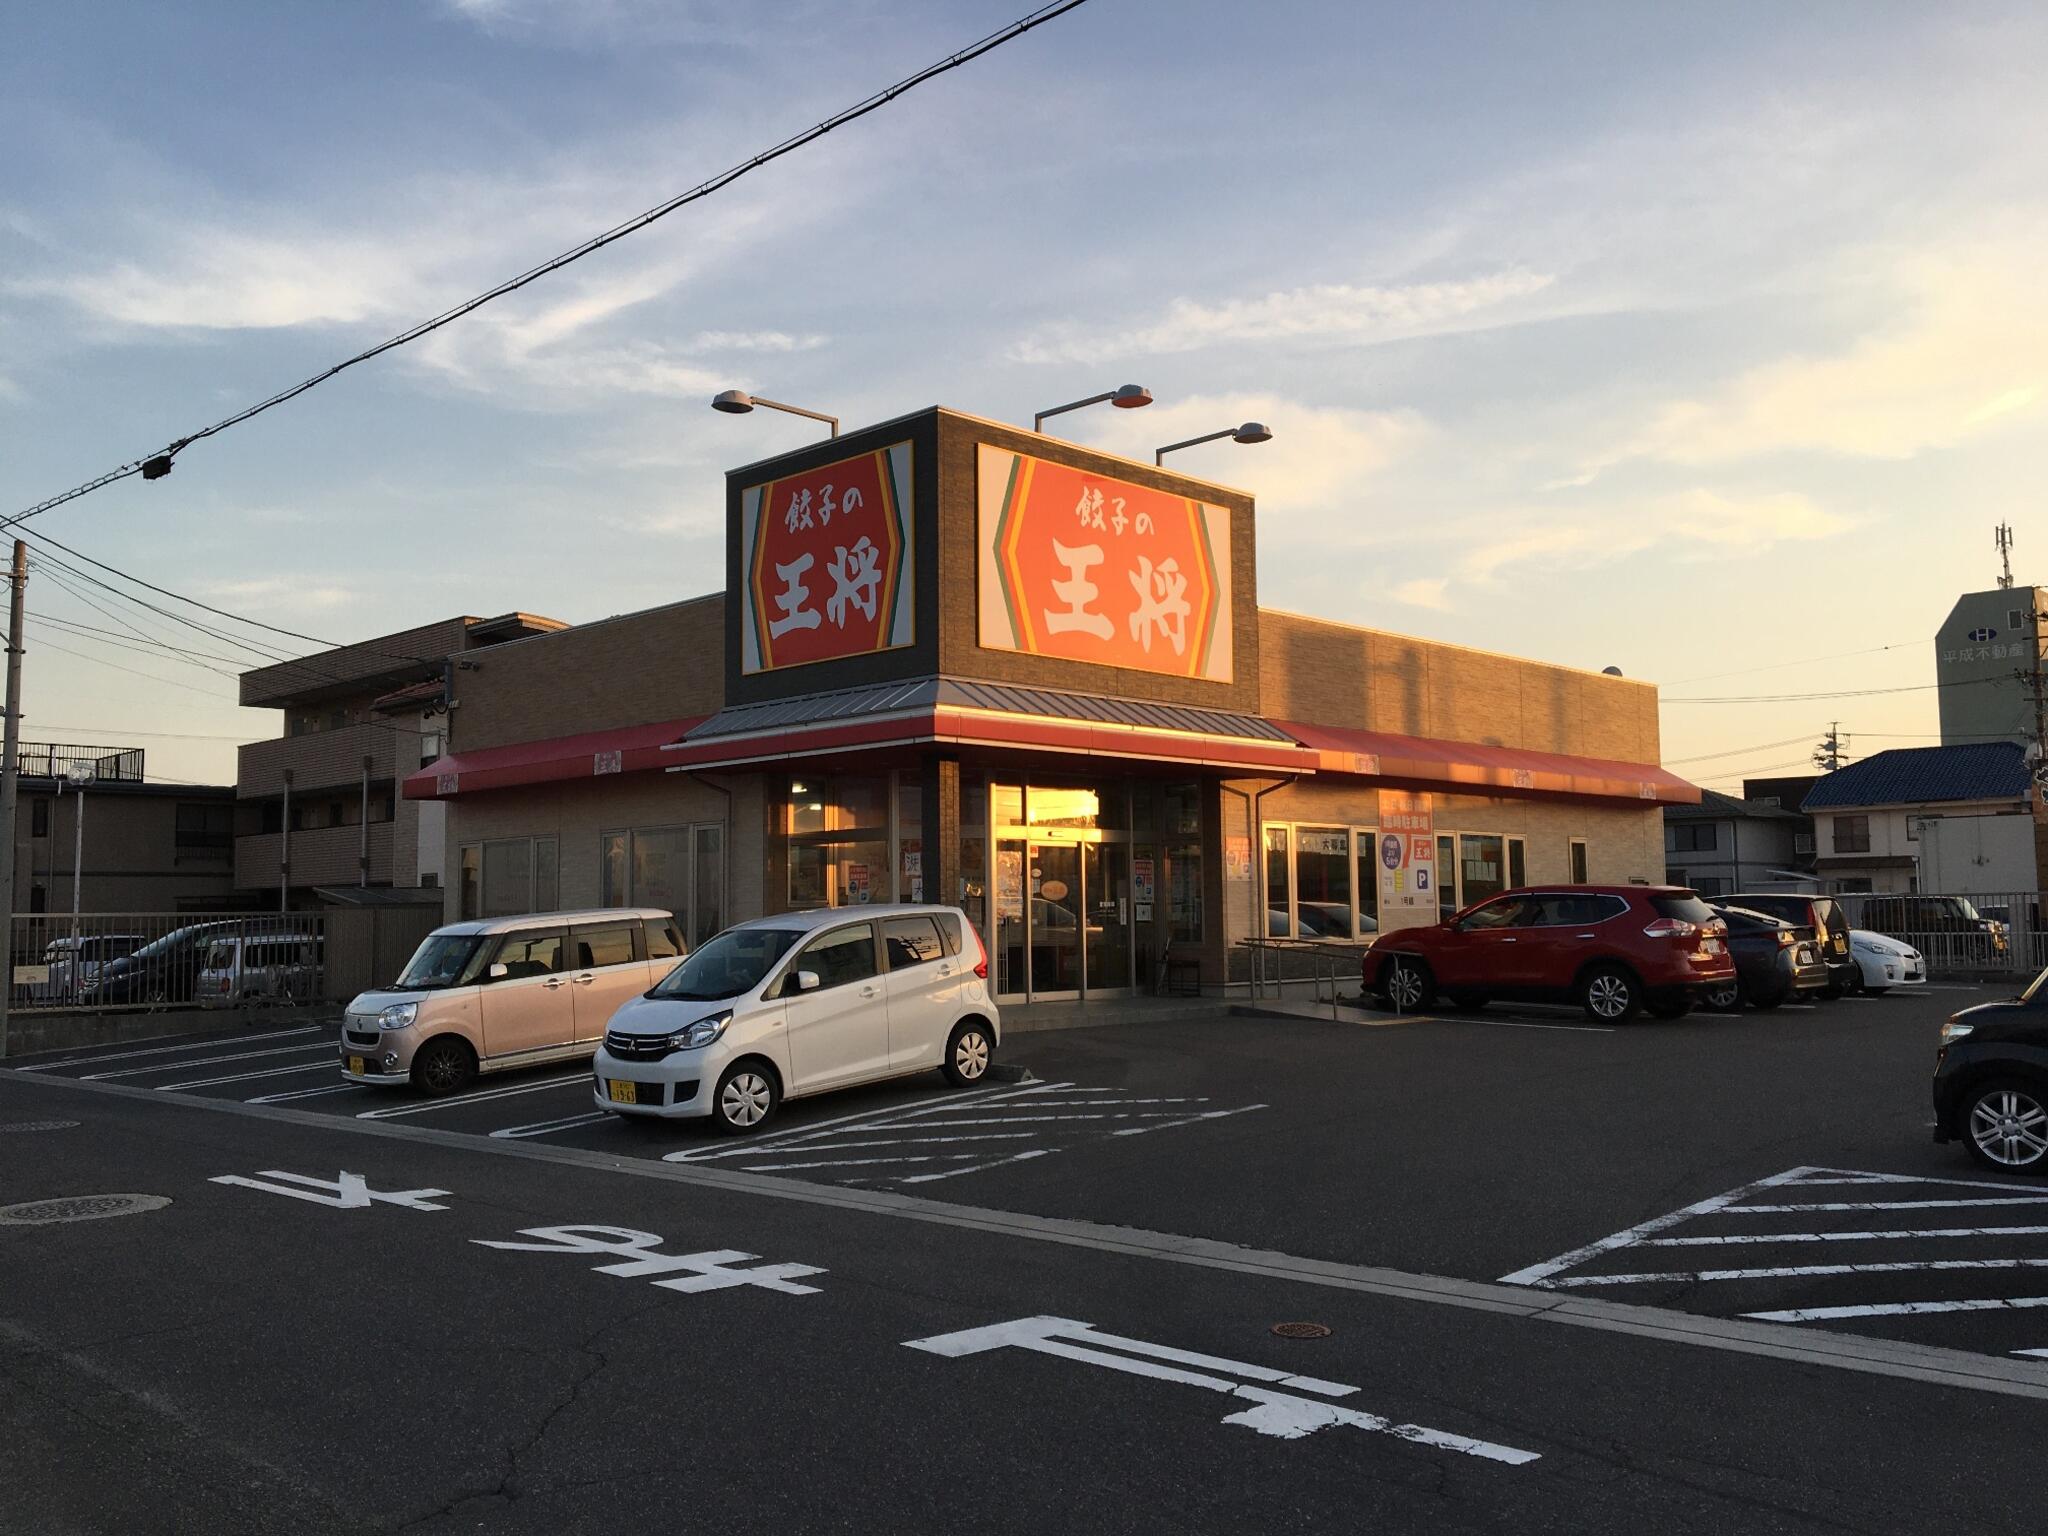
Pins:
x,y
826,562
1079,565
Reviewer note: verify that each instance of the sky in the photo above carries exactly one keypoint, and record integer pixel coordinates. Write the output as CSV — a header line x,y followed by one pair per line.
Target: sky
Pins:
x,y
1705,342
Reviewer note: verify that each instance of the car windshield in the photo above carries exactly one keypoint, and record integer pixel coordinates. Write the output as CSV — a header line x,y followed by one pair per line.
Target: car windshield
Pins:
x,y
1683,906
442,960
734,962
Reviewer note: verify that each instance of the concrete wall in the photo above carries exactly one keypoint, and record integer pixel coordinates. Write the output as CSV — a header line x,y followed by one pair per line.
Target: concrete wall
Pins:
x,y
1981,850
1984,642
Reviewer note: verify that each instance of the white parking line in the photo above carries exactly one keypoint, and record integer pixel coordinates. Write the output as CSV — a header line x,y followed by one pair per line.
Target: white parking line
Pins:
x,y
1898,1309
1539,1274
243,1077
1795,1271
871,1118
430,1105
1214,1114
2036,1354
1898,1205
1841,1237
548,1127
160,1050
858,1162
210,1061
307,1093
909,1141
1467,1018
1021,1157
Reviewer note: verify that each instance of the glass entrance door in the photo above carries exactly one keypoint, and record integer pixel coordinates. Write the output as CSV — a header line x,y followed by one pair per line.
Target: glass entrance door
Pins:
x,y
1063,904
1106,881
1056,912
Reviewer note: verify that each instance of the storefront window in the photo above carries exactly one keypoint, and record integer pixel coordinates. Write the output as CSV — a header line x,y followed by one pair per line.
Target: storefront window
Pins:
x,y
1479,867
678,870
509,877
661,868
545,898
613,887
1447,901
1367,841
839,841
910,841
1183,811
1066,807
1276,882
707,913
1184,891
1322,883
973,893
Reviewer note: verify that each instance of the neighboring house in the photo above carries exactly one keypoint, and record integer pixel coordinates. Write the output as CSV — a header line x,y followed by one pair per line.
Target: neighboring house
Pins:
x,y
1788,794
1952,820
319,805
1724,844
146,847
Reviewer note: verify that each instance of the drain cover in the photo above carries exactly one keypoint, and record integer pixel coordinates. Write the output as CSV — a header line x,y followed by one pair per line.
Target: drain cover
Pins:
x,y
39,1125
40,1213
1302,1330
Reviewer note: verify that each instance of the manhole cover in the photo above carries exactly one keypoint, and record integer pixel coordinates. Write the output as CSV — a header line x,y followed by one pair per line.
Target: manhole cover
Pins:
x,y
39,1213
39,1125
1302,1330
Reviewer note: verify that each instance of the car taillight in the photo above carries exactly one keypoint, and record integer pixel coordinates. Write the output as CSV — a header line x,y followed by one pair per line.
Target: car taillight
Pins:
x,y
1784,938
1671,928
981,949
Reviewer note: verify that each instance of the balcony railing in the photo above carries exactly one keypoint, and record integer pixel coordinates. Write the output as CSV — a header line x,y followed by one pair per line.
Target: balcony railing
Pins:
x,y
59,760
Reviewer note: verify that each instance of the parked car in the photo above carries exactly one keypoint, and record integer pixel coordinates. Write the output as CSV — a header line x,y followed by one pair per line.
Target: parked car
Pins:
x,y
502,992
783,1007
1991,1081
163,971
260,966
1947,927
1775,961
74,963
1613,949
1830,925
1883,963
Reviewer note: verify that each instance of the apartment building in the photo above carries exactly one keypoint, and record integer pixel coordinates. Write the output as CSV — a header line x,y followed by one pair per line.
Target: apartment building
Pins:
x,y
318,806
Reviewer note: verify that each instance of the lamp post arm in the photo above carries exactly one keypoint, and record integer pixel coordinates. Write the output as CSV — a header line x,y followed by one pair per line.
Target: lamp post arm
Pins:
x,y
797,410
1159,455
1038,421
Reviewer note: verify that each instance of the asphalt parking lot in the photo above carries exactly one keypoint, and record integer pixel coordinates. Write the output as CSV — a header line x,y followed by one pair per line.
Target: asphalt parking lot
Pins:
x,y
1774,1165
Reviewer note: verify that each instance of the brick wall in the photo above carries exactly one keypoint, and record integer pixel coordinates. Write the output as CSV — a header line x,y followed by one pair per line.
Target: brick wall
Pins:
x,y
1335,674
659,664
413,653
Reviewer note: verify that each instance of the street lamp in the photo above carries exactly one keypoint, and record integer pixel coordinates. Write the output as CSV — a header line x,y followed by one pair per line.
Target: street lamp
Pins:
x,y
1125,397
77,775
737,402
1250,432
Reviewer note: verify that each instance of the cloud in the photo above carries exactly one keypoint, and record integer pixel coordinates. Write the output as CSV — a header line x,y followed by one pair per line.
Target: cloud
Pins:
x,y
279,594
1423,592
755,341
1324,313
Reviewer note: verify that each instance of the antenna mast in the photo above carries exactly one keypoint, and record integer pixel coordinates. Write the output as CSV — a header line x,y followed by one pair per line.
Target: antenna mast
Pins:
x,y
2004,537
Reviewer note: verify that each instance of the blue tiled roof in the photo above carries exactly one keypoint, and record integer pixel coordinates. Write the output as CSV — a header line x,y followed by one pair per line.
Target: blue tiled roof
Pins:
x,y
1987,770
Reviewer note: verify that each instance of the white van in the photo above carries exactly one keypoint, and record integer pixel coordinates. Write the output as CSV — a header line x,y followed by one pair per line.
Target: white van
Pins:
x,y
802,1003
505,992
258,966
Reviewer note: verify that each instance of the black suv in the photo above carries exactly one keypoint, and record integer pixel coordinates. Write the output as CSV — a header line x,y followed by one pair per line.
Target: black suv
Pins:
x,y
1946,929
1830,925
1991,1081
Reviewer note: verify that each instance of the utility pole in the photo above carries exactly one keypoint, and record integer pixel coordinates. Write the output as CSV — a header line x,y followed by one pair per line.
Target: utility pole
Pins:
x,y
1828,755
284,849
10,774
2037,754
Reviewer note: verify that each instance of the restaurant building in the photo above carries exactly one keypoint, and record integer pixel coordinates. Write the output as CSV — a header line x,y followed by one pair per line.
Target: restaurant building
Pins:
x,y
957,661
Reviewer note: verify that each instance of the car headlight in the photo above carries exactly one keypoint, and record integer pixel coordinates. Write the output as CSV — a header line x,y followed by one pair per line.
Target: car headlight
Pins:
x,y
700,1034
1952,1031
398,1015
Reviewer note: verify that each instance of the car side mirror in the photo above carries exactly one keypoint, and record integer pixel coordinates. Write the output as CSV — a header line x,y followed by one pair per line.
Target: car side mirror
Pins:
x,y
808,981
499,970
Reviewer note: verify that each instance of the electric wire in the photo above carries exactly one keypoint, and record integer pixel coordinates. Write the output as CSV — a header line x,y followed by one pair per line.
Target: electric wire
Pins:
x,y
598,242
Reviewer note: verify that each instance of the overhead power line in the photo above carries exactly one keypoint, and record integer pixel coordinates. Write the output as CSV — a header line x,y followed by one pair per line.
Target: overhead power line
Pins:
x,y
1775,666
1846,693
1762,746
156,464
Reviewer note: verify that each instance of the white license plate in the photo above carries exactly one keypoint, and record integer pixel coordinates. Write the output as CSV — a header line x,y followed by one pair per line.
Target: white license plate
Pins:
x,y
355,1065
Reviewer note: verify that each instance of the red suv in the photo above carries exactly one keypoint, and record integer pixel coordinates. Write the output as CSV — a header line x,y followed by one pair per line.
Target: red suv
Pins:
x,y
1611,948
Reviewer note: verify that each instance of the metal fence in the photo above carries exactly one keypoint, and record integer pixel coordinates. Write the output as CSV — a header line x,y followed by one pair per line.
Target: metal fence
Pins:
x,y
99,961
1994,934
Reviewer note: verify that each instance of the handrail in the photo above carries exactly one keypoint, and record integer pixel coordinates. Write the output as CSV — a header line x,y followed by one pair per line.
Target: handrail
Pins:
x,y
1326,957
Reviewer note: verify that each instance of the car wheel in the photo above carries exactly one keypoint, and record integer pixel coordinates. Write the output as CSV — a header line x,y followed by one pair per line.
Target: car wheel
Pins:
x,y
1408,985
1867,990
1766,1004
1469,1002
1677,1010
443,1066
1725,998
1610,995
2005,1126
967,1054
746,1098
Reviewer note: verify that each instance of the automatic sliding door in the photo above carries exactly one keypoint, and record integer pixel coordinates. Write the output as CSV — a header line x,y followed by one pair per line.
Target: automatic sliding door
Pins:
x,y
1056,914
1108,890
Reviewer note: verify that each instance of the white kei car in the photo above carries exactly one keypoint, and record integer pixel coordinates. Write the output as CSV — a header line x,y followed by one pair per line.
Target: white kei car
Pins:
x,y
783,1007
1883,962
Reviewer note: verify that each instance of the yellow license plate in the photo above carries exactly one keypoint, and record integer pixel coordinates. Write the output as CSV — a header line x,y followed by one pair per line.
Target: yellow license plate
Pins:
x,y
623,1093
355,1065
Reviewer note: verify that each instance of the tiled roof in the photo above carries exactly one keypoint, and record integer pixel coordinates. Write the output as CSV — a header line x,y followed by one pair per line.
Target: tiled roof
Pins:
x,y
1986,770
1719,807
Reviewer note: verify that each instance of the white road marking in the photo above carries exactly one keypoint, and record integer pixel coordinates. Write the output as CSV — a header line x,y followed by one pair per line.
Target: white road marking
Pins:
x,y
1792,1271
1833,1176
1136,1114
907,1141
1021,1157
160,1050
1467,1018
1898,1309
547,1127
858,1162
2037,1354
430,1105
347,1193
1284,1415
710,1271
307,1093
243,1077
1536,1274
212,1061
1899,1205
1841,1237
1214,1114
820,1127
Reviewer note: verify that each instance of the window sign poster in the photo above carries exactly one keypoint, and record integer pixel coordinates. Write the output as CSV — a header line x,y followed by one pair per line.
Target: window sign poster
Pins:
x,y
1237,858
1142,877
1010,883
1407,860
857,884
1084,566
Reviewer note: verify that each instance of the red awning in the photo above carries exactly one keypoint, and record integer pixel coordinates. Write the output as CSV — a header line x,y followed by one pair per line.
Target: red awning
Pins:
x,y
1479,769
594,754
